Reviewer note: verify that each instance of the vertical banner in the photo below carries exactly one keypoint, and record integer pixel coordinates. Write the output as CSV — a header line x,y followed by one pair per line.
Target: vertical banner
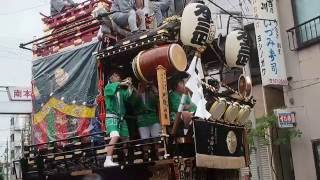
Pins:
x,y
271,58
163,96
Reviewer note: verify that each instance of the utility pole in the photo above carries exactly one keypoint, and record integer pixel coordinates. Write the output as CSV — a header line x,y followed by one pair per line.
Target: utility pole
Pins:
x,y
7,161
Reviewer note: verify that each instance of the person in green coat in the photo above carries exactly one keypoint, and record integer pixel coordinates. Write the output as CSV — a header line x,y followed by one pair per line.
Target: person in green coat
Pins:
x,y
180,103
116,93
146,110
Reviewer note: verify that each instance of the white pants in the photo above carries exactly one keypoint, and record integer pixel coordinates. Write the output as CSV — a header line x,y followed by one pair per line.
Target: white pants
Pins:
x,y
150,131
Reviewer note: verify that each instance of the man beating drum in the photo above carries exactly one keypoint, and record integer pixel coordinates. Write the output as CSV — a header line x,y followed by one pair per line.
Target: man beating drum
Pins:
x,y
180,104
117,93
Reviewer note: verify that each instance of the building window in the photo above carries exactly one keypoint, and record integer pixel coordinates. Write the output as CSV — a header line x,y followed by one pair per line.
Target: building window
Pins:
x,y
12,154
12,137
12,121
13,171
307,22
316,153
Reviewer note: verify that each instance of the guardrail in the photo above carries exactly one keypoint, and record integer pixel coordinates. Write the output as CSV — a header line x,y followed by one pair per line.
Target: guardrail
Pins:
x,y
304,34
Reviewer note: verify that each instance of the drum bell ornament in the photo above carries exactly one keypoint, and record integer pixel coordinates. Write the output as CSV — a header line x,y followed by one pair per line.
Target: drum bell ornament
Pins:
x,y
196,29
237,49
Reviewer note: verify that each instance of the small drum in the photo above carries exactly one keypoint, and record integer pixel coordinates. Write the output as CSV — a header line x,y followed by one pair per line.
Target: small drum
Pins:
x,y
244,86
218,108
172,57
243,114
232,112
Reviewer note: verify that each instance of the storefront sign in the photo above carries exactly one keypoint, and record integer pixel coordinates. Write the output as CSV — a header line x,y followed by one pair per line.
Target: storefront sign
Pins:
x,y
286,119
19,93
271,58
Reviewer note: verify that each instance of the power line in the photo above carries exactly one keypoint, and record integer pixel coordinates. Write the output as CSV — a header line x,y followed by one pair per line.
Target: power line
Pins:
x,y
22,10
244,14
237,17
13,52
297,81
312,84
8,58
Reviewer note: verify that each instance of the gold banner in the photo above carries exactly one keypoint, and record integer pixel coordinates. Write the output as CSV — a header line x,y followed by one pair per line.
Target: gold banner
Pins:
x,y
79,111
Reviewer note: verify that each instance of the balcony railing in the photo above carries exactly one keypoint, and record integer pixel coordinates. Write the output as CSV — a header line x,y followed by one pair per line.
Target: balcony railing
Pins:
x,y
305,34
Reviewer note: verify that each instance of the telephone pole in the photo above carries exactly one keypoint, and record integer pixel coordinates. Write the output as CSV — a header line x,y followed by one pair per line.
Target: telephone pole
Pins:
x,y
7,161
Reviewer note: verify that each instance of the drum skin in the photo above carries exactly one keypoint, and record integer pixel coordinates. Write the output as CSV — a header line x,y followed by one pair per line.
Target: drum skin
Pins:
x,y
245,86
218,108
243,114
172,57
232,112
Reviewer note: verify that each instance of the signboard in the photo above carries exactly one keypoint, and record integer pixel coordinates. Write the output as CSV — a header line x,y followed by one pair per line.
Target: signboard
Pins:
x,y
19,93
286,119
163,96
270,52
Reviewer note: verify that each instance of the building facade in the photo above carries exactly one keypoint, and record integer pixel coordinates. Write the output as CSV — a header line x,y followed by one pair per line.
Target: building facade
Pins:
x,y
299,22
20,129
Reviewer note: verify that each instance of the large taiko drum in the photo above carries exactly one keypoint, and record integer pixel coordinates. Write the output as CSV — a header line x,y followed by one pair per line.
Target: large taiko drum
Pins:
x,y
172,57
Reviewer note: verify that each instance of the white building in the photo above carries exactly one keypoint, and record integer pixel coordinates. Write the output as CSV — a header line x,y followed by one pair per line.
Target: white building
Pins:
x,y
20,136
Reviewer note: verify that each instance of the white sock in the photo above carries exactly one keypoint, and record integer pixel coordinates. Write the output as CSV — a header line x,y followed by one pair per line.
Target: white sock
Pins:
x,y
108,158
185,131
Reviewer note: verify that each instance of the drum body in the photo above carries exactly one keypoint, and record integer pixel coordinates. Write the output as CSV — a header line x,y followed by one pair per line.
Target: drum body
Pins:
x,y
172,57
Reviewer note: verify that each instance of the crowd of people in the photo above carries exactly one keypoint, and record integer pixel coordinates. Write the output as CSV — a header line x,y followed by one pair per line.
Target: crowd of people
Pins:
x,y
130,14
144,99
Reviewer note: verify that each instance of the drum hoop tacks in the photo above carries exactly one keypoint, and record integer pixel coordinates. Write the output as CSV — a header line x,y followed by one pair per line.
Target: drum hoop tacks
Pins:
x,y
138,67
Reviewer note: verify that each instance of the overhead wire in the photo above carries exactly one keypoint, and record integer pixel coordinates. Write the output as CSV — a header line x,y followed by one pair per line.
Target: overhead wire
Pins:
x,y
302,87
243,12
22,10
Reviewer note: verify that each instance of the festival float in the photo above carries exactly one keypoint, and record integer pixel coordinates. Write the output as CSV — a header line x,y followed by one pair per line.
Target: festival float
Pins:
x,y
71,66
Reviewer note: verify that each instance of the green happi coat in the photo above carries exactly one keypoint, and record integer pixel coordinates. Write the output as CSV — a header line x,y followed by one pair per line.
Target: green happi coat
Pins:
x,y
115,99
174,102
146,109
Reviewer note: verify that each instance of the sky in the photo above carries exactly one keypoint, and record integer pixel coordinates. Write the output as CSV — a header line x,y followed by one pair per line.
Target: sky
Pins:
x,y
21,22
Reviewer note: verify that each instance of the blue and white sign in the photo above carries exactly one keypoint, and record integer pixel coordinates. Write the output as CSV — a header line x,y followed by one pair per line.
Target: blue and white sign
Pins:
x,y
286,119
271,58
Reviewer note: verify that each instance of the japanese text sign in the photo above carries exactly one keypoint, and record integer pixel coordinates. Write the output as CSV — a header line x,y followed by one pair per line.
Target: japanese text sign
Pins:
x,y
270,53
19,93
286,119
